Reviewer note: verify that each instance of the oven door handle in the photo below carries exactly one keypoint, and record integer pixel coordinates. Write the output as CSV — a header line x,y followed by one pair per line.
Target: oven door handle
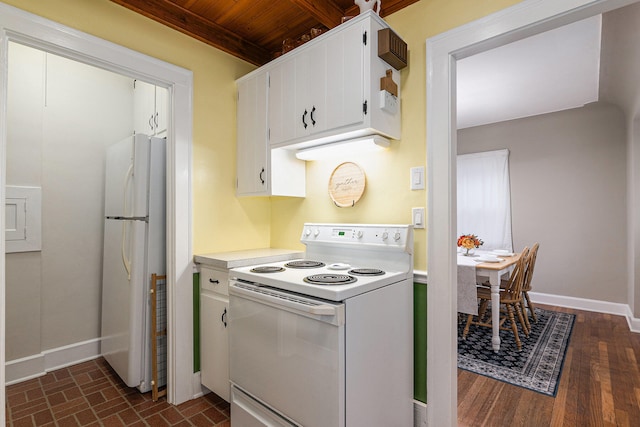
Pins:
x,y
323,310
329,313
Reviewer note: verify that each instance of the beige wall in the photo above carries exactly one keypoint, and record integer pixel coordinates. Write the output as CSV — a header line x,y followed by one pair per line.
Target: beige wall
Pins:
x,y
620,68
568,189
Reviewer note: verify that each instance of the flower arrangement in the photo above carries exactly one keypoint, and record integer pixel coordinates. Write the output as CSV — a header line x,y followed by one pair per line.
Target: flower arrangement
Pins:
x,y
468,242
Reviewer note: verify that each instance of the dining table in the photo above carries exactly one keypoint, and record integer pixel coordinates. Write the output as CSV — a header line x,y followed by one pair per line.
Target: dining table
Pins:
x,y
477,268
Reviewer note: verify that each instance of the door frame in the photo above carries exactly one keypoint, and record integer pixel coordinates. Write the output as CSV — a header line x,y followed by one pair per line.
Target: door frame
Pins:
x,y
522,20
32,30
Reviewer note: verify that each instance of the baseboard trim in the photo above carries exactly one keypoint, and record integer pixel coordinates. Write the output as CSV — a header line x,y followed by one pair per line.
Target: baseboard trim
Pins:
x,y
634,322
197,387
618,309
419,414
37,365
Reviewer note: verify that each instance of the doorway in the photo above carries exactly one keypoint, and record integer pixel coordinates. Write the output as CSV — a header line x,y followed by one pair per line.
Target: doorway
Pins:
x,y
34,31
515,23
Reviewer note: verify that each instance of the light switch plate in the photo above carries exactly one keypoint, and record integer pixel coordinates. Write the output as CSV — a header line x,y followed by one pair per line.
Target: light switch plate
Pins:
x,y
417,178
417,217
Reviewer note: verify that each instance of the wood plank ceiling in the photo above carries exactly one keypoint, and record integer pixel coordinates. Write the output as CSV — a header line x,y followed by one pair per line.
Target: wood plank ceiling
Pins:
x,y
252,30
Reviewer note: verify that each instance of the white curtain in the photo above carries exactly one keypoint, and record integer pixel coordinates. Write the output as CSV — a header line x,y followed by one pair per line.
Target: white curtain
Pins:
x,y
484,200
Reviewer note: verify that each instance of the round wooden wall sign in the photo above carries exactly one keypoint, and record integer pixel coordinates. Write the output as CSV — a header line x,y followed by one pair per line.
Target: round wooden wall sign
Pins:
x,y
346,184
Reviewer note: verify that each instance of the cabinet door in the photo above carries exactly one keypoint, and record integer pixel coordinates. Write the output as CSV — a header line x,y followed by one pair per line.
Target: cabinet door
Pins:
x,y
283,118
345,78
161,109
214,344
252,167
311,86
144,98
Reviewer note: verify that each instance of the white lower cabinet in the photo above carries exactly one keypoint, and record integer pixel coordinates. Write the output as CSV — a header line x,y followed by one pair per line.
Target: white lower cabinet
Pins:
x,y
214,337
214,309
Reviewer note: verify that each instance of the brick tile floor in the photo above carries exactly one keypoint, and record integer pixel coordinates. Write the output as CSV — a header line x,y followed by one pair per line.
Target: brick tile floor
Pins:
x,y
92,394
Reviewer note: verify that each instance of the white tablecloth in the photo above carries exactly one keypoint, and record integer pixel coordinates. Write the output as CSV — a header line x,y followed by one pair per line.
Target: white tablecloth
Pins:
x,y
467,294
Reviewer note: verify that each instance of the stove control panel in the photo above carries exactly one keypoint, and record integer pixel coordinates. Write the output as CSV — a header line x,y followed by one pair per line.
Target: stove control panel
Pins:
x,y
364,234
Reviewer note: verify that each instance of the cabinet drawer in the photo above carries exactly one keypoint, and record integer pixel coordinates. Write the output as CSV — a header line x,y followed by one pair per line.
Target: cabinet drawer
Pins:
x,y
214,280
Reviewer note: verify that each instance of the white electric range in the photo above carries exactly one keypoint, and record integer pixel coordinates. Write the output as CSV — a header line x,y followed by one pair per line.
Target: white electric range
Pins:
x,y
326,340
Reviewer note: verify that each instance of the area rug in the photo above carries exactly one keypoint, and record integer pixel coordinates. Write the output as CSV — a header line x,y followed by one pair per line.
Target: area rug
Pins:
x,y
537,367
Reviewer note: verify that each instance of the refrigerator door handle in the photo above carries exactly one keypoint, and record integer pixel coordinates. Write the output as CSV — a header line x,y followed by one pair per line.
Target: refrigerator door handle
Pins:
x,y
125,190
125,259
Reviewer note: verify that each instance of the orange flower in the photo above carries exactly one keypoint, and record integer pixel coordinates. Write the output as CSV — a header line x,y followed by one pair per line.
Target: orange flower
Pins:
x,y
469,241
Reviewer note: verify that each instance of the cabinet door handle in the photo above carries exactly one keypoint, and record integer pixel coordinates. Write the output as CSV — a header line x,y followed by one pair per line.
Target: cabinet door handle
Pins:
x,y
151,122
313,110
304,116
223,318
215,282
262,176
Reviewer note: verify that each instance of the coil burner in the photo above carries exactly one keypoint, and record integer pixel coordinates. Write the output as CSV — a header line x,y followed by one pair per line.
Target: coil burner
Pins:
x,y
304,264
366,272
330,279
267,269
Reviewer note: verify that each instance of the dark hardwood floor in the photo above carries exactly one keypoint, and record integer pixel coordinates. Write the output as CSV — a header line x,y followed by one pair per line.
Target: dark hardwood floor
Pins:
x,y
599,386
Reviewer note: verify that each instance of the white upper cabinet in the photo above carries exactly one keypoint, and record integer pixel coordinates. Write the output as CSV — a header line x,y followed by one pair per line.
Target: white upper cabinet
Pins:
x,y
345,78
311,91
282,106
252,136
319,89
329,88
162,111
150,109
261,171
324,91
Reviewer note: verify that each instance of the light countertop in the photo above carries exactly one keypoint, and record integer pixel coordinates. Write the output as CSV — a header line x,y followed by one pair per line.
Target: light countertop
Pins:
x,y
227,260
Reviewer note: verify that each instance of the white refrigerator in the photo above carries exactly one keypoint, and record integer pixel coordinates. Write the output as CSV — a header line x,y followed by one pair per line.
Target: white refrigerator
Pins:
x,y
134,248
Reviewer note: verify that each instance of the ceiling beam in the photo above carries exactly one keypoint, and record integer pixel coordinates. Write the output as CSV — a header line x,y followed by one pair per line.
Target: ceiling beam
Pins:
x,y
327,12
183,20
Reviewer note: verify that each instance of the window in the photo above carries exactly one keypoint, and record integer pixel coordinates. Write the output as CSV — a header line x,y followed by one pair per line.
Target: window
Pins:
x,y
484,200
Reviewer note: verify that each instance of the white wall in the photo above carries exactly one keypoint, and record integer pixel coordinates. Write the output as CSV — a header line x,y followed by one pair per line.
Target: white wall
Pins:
x,y
61,116
568,187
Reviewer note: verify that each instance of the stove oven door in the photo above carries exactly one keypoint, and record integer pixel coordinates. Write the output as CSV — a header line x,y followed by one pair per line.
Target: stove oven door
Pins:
x,y
286,353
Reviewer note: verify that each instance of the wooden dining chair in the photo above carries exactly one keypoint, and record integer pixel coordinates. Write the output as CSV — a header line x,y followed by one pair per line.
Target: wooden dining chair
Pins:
x,y
526,286
510,298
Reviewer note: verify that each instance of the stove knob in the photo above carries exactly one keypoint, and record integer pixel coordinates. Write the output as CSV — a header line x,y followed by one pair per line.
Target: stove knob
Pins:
x,y
316,232
359,234
396,236
307,232
385,235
